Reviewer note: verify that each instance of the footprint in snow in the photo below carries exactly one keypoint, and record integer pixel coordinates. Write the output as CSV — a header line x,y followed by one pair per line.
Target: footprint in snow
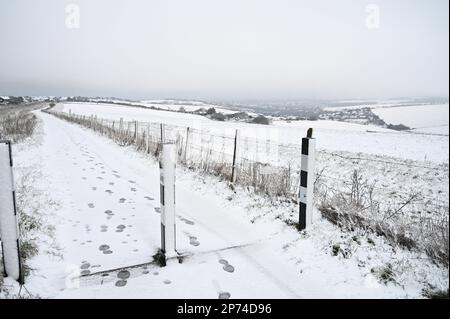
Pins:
x,y
193,241
120,228
186,221
85,265
158,210
123,274
122,200
121,283
103,247
91,205
224,295
223,262
226,266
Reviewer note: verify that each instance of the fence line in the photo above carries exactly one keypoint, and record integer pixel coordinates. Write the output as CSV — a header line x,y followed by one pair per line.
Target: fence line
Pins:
x,y
347,182
379,160
222,155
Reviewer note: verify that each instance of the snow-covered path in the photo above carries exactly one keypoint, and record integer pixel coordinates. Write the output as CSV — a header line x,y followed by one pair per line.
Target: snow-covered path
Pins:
x,y
109,218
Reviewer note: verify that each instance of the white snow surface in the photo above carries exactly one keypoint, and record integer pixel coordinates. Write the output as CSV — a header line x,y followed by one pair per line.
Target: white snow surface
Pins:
x,y
421,118
331,135
235,242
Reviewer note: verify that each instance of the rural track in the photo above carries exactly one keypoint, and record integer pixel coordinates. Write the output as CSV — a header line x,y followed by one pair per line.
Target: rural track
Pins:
x,y
110,221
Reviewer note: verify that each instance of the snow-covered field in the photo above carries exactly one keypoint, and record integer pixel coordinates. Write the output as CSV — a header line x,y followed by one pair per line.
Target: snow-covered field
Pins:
x,y
237,244
188,106
393,160
331,135
422,118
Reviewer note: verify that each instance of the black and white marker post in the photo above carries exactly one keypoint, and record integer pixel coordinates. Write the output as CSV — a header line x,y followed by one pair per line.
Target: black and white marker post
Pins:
x,y
306,194
9,231
167,198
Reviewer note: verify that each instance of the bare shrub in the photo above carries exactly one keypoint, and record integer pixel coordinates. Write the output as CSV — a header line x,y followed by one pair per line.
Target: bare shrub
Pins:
x,y
32,205
16,126
358,205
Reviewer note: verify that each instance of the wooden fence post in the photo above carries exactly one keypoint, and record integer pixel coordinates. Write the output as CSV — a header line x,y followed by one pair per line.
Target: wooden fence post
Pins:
x,y
147,146
186,146
136,134
113,129
163,133
235,157
121,127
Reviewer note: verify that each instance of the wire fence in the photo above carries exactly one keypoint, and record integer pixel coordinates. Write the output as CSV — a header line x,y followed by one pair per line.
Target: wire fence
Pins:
x,y
271,167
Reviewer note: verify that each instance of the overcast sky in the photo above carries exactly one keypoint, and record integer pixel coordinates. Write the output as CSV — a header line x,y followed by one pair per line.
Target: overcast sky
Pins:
x,y
216,49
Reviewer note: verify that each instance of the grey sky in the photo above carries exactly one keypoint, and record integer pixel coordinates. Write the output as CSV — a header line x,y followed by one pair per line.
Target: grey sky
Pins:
x,y
225,49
